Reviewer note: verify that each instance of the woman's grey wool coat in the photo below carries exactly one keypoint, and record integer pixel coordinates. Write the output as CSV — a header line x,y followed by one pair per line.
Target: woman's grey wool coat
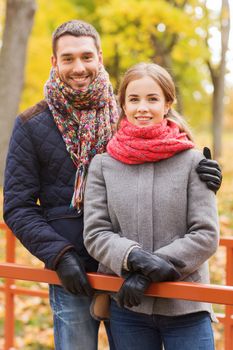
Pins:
x,y
164,207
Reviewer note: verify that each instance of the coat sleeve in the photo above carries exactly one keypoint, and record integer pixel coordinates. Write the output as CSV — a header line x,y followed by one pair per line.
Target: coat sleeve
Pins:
x,y
103,244
202,237
22,211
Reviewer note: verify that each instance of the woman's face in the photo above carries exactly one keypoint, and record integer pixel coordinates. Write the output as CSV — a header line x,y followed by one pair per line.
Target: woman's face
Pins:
x,y
145,103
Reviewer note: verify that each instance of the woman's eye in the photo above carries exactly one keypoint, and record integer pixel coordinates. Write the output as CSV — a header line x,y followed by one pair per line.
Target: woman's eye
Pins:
x,y
133,99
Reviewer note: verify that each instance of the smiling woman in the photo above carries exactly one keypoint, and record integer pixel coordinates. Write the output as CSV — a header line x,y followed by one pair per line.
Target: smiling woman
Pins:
x,y
150,226
145,102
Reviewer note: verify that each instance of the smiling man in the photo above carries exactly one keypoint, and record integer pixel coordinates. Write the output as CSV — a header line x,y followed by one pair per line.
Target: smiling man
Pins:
x,y
51,147
77,60
50,150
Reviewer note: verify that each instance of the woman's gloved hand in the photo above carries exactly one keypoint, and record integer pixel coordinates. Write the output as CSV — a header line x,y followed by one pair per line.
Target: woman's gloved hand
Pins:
x,y
209,171
155,267
72,274
131,292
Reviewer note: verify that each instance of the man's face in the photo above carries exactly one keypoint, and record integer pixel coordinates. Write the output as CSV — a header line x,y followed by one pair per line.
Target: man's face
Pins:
x,y
77,60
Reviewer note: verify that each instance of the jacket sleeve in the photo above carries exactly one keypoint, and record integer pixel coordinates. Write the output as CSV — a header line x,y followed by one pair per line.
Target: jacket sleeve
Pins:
x,y
102,243
22,211
202,237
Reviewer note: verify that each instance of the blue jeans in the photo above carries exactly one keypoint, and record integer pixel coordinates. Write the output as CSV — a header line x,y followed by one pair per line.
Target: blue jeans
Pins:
x,y
136,331
74,328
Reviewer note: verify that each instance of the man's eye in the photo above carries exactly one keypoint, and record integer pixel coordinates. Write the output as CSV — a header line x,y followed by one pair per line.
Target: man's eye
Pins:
x,y
87,58
67,59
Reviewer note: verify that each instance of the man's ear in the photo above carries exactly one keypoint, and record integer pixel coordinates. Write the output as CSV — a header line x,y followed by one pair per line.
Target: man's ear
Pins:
x,y
53,61
100,54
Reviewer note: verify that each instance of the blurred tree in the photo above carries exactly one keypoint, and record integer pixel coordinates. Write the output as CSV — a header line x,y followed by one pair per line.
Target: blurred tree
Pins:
x,y
49,15
228,111
217,73
175,34
18,24
164,31
170,32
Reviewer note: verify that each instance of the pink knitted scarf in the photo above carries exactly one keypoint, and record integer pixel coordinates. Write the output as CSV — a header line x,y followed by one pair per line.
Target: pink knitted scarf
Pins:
x,y
136,145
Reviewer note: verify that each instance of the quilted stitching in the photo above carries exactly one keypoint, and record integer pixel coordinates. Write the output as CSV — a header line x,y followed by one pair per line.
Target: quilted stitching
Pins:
x,y
38,167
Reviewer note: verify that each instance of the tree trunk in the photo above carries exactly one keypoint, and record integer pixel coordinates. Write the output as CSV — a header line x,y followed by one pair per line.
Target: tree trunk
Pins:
x,y
163,57
218,79
18,25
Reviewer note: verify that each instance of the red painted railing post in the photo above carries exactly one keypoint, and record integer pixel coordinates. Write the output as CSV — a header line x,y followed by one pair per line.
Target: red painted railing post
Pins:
x,y
9,326
229,309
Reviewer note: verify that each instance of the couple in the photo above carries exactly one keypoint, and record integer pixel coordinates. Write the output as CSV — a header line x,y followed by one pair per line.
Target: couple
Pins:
x,y
145,219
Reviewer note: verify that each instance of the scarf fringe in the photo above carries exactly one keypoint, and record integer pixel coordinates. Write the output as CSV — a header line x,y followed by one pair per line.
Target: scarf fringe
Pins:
x,y
79,187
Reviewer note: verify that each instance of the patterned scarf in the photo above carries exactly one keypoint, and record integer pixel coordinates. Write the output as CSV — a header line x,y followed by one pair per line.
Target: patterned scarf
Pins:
x,y
86,120
136,145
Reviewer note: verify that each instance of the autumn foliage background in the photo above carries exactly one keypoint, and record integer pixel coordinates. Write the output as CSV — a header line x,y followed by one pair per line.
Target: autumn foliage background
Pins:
x,y
126,28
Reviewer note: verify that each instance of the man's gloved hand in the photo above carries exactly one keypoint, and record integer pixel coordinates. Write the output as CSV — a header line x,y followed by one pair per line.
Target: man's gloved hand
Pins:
x,y
72,274
155,267
209,171
131,292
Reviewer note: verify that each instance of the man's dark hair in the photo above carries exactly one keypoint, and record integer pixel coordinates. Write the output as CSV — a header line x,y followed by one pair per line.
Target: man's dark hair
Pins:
x,y
76,28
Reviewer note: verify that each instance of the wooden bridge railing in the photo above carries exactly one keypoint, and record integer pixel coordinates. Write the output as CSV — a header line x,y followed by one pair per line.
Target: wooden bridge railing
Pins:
x,y
181,290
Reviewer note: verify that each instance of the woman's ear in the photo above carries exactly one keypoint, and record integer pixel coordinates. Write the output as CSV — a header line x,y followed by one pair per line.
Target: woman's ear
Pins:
x,y
167,107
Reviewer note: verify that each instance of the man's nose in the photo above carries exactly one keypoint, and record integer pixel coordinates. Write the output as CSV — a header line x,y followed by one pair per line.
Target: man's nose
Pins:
x,y
78,67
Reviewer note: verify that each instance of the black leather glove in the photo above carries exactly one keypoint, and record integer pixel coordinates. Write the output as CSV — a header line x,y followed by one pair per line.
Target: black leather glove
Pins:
x,y
209,171
155,267
72,275
131,292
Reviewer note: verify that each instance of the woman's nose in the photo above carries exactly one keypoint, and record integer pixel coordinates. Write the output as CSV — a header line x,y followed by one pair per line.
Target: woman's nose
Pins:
x,y
142,106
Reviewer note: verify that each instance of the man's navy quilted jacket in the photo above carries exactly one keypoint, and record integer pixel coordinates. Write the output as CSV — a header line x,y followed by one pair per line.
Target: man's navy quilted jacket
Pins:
x,y
39,180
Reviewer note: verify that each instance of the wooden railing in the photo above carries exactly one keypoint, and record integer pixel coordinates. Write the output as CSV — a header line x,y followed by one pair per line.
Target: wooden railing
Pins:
x,y
181,290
